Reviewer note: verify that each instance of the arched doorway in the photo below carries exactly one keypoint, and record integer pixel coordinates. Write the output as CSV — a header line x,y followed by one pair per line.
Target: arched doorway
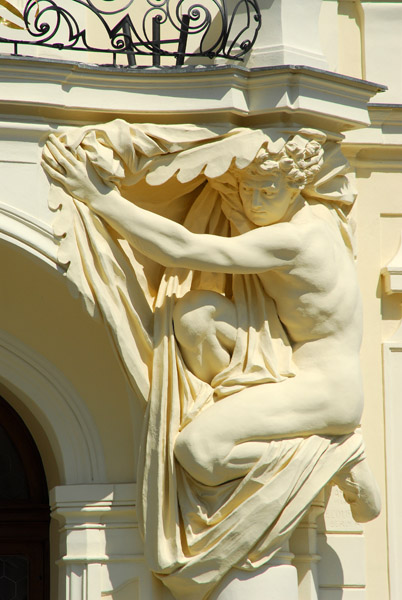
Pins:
x,y
24,513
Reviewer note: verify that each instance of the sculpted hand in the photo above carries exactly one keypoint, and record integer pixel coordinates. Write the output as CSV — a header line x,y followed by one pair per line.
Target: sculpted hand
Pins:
x,y
73,171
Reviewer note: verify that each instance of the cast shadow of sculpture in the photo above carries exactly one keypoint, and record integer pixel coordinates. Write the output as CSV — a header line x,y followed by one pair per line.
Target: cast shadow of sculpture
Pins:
x,y
334,577
242,335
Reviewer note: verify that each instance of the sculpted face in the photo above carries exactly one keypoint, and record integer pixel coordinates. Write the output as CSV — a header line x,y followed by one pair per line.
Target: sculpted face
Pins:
x,y
266,199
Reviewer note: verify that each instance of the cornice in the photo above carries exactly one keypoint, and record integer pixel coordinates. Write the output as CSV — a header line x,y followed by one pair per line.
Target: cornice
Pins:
x,y
77,92
385,114
379,146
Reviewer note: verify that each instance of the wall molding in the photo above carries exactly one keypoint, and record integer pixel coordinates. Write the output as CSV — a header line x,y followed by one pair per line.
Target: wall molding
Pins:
x,y
392,365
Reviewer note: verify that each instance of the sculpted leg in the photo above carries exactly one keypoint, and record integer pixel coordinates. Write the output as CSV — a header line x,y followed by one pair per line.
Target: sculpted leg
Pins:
x,y
223,442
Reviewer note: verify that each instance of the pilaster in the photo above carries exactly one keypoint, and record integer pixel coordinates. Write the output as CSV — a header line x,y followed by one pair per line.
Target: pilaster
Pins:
x,y
304,545
392,365
289,35
101,554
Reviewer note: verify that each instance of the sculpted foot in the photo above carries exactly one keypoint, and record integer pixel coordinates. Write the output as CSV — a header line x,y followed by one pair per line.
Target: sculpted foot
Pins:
x,y
360,491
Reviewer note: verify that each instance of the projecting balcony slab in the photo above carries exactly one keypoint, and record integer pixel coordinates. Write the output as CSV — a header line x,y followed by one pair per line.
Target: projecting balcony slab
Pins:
x,y
77,92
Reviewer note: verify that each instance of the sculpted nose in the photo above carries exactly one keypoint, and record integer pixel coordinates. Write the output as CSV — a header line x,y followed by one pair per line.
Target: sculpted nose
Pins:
x,y
256,201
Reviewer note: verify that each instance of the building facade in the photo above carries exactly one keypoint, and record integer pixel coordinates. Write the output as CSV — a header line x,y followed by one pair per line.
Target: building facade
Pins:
x,y
335,66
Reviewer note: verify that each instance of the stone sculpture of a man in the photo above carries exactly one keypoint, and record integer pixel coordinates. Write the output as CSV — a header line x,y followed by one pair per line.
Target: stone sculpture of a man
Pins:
x,y
268,355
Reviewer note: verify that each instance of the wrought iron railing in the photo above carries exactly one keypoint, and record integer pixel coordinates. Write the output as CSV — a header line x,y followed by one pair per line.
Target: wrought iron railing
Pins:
x,y
145,32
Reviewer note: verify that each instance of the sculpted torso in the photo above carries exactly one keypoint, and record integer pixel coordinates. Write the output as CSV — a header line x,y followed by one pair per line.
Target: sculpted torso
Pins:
x,y
319,308
322,316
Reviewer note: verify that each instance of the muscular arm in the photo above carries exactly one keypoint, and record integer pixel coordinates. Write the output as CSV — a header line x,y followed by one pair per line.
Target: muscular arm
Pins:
x,y
171,244
166,241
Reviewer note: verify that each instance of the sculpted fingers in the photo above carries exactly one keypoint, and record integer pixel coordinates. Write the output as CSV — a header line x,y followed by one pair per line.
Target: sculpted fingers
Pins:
x,y
57,155
53,171
64,150
81,154
73,171
62,155
48,159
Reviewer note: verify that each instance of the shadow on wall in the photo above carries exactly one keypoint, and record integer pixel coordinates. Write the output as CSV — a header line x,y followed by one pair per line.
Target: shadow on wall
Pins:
x,y
125,575
330,572
128,591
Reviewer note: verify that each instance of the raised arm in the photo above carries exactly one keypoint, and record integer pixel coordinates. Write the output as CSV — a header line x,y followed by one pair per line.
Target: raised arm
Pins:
x,y
163,240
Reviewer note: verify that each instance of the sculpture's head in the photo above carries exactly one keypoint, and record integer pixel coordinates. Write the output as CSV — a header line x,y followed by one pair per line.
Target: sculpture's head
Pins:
x,y
269,186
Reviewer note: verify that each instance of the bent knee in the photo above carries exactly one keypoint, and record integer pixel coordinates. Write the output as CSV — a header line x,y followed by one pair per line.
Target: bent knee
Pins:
x,y
199,456
192,320
198,313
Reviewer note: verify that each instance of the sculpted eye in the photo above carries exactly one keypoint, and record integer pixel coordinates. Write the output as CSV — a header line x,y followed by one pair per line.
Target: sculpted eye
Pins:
x,y
267,193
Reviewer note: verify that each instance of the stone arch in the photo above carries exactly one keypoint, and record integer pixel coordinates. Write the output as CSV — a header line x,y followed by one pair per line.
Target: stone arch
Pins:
x,y
52,401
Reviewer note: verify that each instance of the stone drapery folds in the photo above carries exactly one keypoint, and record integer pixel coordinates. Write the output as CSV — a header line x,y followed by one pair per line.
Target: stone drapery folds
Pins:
x,y
195,530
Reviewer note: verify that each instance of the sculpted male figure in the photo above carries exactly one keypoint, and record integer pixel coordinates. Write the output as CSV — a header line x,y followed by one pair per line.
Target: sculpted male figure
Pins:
x,y
308,270
302,255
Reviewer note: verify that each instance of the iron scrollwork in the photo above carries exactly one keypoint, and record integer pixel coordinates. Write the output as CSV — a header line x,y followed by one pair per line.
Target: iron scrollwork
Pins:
x,y
146,32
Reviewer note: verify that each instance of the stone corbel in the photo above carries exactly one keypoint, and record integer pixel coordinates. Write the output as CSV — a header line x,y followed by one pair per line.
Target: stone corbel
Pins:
x,y
392,273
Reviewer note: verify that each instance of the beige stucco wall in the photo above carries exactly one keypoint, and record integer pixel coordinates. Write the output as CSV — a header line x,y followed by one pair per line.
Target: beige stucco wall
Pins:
x,y
55,325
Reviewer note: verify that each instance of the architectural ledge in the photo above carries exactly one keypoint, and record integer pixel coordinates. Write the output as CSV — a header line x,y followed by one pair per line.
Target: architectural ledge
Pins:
x,y
76,92
392,273
379,145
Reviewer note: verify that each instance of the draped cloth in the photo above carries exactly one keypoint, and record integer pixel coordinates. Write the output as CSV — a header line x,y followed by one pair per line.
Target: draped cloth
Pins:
x,y
193,533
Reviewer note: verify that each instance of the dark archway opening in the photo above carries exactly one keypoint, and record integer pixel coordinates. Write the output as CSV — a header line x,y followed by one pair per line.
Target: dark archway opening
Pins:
x,y
24,512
